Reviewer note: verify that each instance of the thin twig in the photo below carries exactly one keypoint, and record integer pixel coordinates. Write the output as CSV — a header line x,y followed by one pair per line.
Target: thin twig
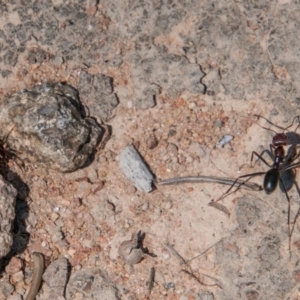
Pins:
x,y
150,283
201,282
220,207
202,253
211,179
175,253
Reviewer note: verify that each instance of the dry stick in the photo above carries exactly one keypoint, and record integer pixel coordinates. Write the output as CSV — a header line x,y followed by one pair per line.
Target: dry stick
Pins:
x,y
202,252
220,207
38,269
212,179
175,253
151,281
201,282
191,273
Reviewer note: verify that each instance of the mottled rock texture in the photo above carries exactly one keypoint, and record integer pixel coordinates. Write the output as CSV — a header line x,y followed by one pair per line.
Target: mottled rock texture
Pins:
x,y
55,278
7,215
91,284
47,127
98,91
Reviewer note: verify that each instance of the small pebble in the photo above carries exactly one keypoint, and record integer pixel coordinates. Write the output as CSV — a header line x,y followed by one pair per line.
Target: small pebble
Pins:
x,y
192,105
166,255
189,159
151,142
145,206
56,209
225,140
218,123
83,189
17,277
172,149
78,267
71,252
54,216
14,266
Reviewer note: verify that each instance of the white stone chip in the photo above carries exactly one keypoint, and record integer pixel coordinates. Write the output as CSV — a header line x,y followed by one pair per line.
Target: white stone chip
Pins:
x,y
224,140
134,168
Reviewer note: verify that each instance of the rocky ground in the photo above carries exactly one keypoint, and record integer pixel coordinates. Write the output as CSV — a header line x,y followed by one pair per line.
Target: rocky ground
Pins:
x,y
171,78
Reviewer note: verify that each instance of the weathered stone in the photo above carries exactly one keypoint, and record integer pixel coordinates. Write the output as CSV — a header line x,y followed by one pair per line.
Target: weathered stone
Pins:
x,y
134,168
98,90
45,126
7,215
55,278
91,284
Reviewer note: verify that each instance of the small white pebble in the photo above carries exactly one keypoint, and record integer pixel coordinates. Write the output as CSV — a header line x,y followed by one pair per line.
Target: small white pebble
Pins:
x,y
78,267
189,159
192,105
166,255
56,209
224,140
145,206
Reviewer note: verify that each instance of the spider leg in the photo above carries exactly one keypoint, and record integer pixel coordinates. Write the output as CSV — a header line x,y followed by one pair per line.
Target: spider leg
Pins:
x,y
239,184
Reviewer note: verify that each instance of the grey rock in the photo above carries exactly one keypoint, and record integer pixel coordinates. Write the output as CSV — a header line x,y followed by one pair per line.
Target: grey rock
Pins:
x,y
171,73
256,236
7,215
175,74
47,128
134,168
98,90
205,296
6,288
91,284
55,277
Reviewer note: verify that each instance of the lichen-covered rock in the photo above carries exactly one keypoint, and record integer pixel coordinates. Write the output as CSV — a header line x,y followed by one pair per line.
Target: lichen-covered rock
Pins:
x,y
7,215
45,126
